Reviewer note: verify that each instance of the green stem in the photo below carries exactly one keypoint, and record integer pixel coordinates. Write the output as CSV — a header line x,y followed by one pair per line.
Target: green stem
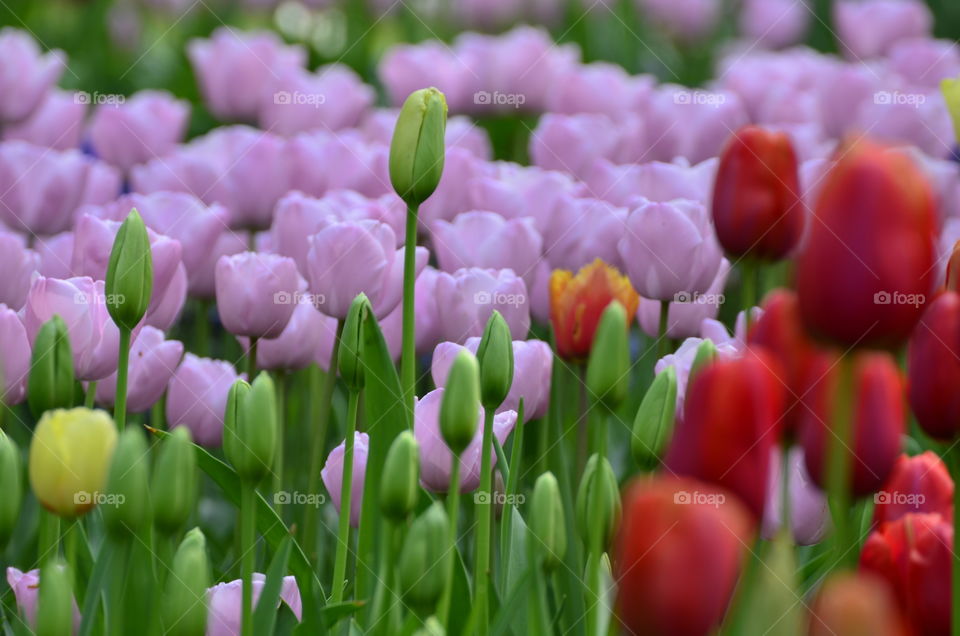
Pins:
x,y
120,400
839,458
663,343
281,384
202,343
346,491
510,480
252,360
48,537
453,512
750,273
91,395
595,538
484,519
248,553
953,460
408,357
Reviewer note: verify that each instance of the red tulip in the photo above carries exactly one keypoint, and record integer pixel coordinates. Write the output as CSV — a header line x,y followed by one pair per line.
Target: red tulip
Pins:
x,y
678,556
914,554
934,368
731,421
879,418
868,263
757,210
917,484
855,604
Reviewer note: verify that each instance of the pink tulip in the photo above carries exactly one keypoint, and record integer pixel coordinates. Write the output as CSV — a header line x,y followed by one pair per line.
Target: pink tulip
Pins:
x,y
254,292
513,191
466,299
148,125
426,315
352,163
26,589
298,345
582,230
103,184
225,603
809,514
599,87
18,263
923,61
687,19
407,68
202,282
452,195
55,254
28,74
197,397
868,29
332,475
15,362
684,318
654,181
574,143
436,459
331,98
56,123
153,362
682,361
166,308
775,23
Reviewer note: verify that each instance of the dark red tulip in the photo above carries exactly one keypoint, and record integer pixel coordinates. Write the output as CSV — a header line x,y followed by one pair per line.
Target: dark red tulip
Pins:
x,y
757,209
679,551
878,411
917,484
731,421
867,265
855,604
913,554
934,369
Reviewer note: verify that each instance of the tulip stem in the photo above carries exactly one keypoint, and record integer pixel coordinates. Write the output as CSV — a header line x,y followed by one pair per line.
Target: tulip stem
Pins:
x,y
48,538
484,517
453,512
839,458
247,553
953,460
408,360
120,400
91,395
750,272
663,343
346,492
252,360
281,385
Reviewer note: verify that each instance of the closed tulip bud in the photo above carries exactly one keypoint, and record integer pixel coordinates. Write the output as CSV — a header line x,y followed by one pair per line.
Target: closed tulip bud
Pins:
x,y
422,570
51,384
10,485
934,369
608,371
129,282
706,353
69,456
55,604
461,400
654,422
547,523
400,485
855,604
417,149
250,428
350,357
951,95
495,355
757,210
128,484
917,484
183,608
598,481
174,486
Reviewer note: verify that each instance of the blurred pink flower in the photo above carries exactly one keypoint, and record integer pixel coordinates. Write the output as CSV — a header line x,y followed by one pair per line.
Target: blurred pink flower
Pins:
x,y
153,362
197,397
332,474
148,125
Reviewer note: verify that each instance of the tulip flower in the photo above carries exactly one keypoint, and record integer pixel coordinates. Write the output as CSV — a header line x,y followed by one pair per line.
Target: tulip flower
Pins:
x,y
224,603
308,333
174,489
39,188
808,511
30,75
331,98
166,309
202,280
868,29
197,397
57,122
332,475
878,419
355,163
913,555
599,226
153,362
678,556
435,457
423,568
775,23
916,484
400,483
574,143
255,293
18,263
69,456
183,605
688,312
731,422
849,291
577,302
757,210
56,254
933,365
512,190
15,362
466,299
417,147
250,432
26,588
855,603
150,124
655,181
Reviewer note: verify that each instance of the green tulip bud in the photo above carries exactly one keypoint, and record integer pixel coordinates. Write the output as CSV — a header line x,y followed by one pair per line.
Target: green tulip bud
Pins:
x,y
51,384
400,483
126,508
461,403
129,281
608,376
250,428
351,343
706,354
422,570
950,88
11,478
55,599
654,422
174,486
418,146
183,609
598,481
431,627
495,355
547,522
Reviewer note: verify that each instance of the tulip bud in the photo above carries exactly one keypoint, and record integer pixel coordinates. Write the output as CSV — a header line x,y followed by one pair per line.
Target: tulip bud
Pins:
x,y
608,376
706,353
431,627
51,384
10,486
400,484
598,481
55,603
69,456
461,397
495,355
351,343
128,484
129,283
951,95
547,522
250,428
851,603
183,604
417,148
422,570
654,422
174,486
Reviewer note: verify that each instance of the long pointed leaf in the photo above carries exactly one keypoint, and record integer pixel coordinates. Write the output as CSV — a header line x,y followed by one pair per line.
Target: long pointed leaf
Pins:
x,y
265,614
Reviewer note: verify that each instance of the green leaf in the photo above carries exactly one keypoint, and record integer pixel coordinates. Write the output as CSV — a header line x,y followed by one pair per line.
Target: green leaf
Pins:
x,y
517,566
265,614
773,605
